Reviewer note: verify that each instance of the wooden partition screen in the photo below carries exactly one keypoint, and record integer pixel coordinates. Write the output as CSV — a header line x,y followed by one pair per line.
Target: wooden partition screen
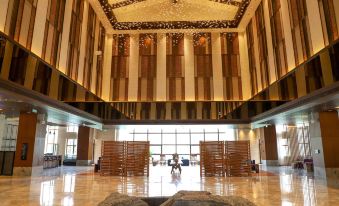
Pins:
x,y
112,154
212,158
137,158
125,158
237,158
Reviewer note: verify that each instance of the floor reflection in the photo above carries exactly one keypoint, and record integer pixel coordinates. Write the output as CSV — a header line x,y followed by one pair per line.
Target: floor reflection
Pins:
x,y
80,186
47,193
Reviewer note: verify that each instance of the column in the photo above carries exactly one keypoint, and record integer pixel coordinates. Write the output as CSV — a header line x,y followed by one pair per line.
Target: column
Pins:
x,y
218,84
324,132
269,146
161,68
29,155
189,68
84,147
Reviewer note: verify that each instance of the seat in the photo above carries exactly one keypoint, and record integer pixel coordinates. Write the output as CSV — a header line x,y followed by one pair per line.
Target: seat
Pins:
x,y
162,160
194,159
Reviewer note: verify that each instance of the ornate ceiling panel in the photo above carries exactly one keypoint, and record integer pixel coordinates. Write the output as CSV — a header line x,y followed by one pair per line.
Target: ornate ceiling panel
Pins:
x,y
174,14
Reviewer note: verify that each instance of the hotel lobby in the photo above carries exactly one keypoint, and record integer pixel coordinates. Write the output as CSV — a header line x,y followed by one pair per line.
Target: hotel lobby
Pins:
x,y
143,99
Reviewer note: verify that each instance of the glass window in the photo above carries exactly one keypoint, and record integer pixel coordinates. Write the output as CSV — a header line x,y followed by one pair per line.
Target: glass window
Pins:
x,y
211,136
154,138
183,149
140,137
196,138
72,129
168,138
51,143
155,150
195,149
168,149
71,148
183,138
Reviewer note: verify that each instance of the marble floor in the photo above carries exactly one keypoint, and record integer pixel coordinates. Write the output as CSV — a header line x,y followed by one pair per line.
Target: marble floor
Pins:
x,y
80,186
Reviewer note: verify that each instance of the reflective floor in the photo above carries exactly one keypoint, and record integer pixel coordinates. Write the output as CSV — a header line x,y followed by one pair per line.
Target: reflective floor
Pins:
x,y
80,186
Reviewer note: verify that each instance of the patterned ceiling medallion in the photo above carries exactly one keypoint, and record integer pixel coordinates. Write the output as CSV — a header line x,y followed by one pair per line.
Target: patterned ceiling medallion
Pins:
x,y
174,14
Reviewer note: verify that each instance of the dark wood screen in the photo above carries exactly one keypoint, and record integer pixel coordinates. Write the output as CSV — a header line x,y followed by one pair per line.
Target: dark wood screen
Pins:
x,y
238,157
112,158
125,158
212,158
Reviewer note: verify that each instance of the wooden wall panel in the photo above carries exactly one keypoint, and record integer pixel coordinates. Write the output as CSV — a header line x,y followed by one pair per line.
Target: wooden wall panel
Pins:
x,y
147,67
119,68
20,21
26,135
237,157
231,71
53,31
212,158
300,28
262,47
203,71
84,144
89,48
100,60
278,38
175,67
251,59
328,20
74,39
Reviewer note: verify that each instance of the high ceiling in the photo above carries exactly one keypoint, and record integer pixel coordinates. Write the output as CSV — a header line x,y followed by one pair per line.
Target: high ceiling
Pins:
x,y
174,14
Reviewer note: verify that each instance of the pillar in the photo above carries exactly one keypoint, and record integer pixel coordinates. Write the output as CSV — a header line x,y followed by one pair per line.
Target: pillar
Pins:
x,y
84,147
268,146
324,133
29,155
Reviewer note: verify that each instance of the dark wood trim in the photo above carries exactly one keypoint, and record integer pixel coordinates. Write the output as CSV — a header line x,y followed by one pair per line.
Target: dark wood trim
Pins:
x,y
230,2
175,122
125,3
311,101
38,99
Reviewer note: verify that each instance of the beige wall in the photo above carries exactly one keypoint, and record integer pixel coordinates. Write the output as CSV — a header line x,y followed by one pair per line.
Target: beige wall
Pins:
x,y
253,136
99,136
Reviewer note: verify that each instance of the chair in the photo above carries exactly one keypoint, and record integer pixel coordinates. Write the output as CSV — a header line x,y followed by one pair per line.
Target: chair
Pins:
x,y
162,160
194,159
